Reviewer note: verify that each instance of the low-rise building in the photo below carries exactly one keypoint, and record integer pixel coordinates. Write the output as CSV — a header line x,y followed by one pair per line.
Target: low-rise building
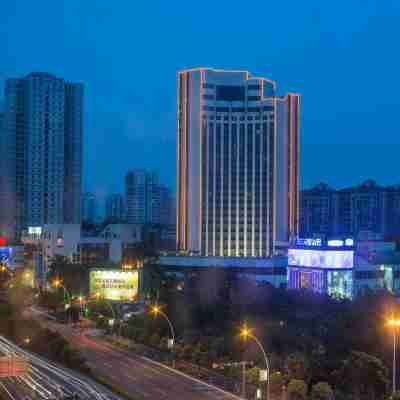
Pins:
x,y
212,277
322,266
66,240
343,268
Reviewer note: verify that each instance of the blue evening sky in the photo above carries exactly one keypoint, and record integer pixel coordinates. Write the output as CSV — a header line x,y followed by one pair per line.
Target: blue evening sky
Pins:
x,y
342,56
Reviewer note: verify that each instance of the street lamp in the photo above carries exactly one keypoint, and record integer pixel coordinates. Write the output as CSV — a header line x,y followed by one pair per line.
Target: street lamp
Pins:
x,y
156,310
394,324
57,283
81,302
246,333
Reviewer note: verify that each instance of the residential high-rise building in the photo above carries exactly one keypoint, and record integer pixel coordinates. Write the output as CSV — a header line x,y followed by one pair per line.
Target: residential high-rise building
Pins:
x,y
238,164
352,211
115,208
142,197
167,206
392,211
360,208
89,207
317,211
152,198
41,153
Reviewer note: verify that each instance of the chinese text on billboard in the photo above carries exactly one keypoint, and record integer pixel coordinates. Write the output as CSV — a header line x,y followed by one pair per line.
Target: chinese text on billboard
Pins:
x,y
114,285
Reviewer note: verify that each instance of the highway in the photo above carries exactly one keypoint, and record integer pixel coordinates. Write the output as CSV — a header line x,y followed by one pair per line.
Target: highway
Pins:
x,y
139,376
46,380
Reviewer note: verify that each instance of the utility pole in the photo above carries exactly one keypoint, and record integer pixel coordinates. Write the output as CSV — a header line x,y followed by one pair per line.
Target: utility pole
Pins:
x,y
394,360
244,379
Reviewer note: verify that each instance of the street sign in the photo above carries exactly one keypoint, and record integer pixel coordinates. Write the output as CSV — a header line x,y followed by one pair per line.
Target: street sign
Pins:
x,y
258,394
263,375
170,343
13,366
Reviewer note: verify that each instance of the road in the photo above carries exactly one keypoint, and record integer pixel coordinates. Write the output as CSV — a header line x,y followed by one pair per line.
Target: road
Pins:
x,y
139,376
46,380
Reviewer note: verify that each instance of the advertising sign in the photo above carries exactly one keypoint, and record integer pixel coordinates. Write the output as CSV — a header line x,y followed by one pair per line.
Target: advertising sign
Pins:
x,y
263,375
321,258
5,255
35,230
113,284
309,242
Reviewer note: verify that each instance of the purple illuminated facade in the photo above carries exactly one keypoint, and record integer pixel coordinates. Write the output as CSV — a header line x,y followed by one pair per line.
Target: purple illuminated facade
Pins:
x,y
322,267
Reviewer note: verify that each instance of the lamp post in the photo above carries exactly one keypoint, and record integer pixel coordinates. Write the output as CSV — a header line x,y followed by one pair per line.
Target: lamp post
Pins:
x,y
246,333
156,310
394,324
57,283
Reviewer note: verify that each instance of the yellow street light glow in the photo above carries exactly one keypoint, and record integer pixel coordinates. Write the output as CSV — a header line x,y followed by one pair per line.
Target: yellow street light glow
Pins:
x,y
394,322
245,332
27,340
57,283
156,310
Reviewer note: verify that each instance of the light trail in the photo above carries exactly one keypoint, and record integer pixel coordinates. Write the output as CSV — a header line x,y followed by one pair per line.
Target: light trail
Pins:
x,y
6,390
48,380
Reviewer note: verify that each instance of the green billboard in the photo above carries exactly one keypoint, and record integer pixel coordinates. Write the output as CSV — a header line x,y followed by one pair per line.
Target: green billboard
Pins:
x,y
114,284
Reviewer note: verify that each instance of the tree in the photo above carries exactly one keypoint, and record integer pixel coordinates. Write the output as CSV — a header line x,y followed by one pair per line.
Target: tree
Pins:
x,y
363,376
75,277
51,300
154,340
253,375
321,391
276,383
296,366
297,390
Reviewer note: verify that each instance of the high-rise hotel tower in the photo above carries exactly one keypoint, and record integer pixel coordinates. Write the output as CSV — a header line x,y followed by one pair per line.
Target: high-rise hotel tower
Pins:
x,y
238,164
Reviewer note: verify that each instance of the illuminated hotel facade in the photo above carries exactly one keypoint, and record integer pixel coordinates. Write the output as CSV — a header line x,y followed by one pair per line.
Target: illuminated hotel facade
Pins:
x,y
237,164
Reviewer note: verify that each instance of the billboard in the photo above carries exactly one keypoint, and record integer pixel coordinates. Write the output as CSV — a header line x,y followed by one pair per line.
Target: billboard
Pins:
x,y
34,230
5,255
114,284
321,258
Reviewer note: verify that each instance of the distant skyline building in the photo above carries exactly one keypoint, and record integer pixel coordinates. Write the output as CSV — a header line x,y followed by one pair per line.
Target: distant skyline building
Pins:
x,y
352,211
317,211
89,207
238,164
41,153
167,206
115,207
142,197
